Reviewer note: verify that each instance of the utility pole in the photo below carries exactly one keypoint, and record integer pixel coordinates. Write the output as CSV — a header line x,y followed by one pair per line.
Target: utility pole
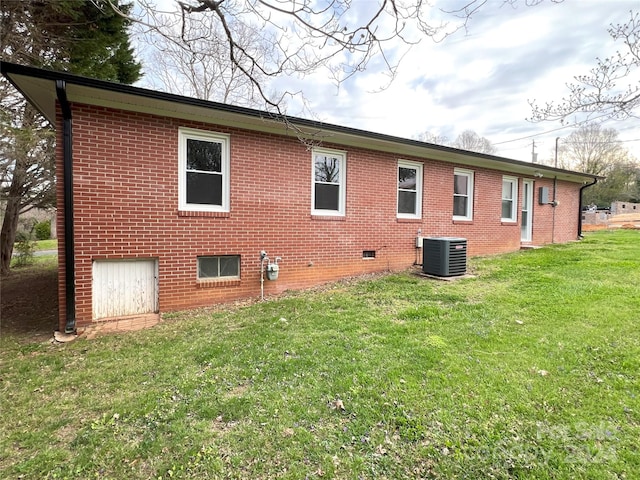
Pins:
x,y
534,155
556,160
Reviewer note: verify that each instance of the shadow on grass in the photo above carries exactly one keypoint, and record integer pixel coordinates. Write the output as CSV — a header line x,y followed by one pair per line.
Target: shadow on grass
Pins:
x,y
29,301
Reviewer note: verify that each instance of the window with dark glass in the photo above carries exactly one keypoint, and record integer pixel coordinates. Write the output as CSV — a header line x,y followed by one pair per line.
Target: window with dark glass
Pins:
x,y
225,266
509,196
462,194
409,189
328,182
203,171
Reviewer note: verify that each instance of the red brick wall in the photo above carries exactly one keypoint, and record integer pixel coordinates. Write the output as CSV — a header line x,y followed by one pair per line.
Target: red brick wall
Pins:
x,y
126,206
556,224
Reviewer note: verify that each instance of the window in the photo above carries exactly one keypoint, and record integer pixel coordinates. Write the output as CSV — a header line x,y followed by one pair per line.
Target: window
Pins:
x,y
509,199
203,160
462,194
409,189
226,266
329,170
368,254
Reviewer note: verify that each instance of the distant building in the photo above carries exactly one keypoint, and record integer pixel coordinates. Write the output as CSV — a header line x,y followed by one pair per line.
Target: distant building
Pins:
x,y
620,214
618,208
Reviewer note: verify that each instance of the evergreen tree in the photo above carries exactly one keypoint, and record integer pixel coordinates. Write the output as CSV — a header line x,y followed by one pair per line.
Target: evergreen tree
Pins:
x,y
78,36
100,46
620,184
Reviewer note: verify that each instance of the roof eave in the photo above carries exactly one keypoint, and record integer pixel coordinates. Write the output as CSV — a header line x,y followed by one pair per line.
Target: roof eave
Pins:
x,y
38,87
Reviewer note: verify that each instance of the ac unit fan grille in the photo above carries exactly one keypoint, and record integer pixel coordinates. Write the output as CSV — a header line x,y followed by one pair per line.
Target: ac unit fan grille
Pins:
x,y
444,257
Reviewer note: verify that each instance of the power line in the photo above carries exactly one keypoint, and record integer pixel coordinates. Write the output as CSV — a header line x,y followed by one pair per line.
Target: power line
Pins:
x,y
576,124
607,142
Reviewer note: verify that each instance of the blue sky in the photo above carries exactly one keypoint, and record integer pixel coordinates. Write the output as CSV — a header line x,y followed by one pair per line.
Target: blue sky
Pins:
x,y
480,79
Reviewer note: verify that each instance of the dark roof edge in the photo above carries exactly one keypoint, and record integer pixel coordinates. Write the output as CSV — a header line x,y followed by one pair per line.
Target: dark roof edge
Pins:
x,y
7,68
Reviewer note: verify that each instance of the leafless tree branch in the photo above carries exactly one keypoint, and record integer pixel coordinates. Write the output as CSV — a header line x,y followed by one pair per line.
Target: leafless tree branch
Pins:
x,y
601,92
341,36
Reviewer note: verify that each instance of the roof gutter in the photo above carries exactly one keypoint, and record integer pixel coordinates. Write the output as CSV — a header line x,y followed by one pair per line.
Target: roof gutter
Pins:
x,y
69,257
595,180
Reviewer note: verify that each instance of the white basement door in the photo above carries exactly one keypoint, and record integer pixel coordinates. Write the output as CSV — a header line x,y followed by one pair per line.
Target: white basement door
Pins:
x,y
124,287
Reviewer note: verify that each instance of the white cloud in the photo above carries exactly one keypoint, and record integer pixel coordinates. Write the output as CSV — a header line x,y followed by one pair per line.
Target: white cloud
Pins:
x,y
479,79
483,80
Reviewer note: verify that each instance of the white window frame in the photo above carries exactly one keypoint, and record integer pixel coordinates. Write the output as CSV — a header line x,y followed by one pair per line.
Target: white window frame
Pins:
x,y
469,174
342,176
185,134
419,173
218,277
514,198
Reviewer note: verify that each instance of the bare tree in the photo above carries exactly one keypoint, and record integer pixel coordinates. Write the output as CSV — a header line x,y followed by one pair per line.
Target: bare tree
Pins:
x,y
596,150
601,92
592,149
341,36
430,137
470,140
467,140
201,68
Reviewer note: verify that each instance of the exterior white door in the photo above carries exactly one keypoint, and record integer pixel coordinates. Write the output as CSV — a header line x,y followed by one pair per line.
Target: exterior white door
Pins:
x,y
527,211
124,287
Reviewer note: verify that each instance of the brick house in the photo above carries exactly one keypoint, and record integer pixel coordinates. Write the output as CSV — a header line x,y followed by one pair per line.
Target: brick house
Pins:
x,y
165,202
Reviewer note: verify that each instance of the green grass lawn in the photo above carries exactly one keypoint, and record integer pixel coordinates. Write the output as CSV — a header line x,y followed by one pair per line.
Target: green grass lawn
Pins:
x,y
51,244
528,370
21,261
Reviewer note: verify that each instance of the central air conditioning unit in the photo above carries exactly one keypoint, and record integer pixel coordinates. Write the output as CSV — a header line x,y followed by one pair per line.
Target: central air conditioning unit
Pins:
x,y
444,256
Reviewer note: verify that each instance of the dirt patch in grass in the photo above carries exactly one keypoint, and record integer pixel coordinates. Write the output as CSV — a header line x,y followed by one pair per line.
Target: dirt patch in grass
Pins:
x,y
594,228
29,302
